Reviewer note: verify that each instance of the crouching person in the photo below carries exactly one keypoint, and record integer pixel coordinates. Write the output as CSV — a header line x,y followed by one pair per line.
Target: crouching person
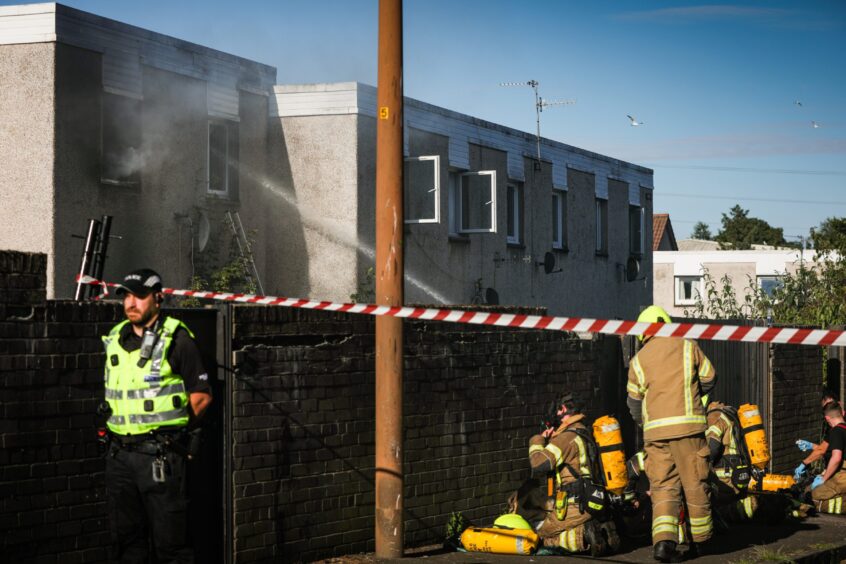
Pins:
x,y
828,490
560,501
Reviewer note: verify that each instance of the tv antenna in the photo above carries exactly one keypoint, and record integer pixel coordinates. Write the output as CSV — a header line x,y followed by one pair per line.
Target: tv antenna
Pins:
x,y
540,104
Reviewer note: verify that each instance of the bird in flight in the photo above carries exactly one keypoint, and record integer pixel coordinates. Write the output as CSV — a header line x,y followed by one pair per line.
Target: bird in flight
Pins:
x,y
815,124
798,102
635,123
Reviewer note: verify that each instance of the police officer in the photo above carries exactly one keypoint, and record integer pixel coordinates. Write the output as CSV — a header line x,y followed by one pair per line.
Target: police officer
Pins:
x,y
666,381
155,386
563,452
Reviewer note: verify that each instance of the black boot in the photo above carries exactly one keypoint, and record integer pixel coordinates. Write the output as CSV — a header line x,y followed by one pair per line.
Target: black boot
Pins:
x,y
612,537
665,551
595,538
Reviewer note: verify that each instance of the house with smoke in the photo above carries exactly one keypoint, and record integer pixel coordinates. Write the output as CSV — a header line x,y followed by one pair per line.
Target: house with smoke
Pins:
x,y
172,139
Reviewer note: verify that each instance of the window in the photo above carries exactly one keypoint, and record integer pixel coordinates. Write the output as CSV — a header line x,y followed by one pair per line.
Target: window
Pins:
x,y
514,214
120,138
636,231
223,159
559,219
769,284
477,199
688,288
422,196
601,227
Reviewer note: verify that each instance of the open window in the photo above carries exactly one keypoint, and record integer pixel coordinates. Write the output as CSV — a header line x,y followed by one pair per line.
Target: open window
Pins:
x,y
120,138
559,219
513,214
477,199
688,288
223,159
636,230
422,197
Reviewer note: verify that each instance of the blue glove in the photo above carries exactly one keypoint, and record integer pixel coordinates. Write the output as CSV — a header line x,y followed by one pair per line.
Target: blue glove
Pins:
x,y
799,472
804,445
818,481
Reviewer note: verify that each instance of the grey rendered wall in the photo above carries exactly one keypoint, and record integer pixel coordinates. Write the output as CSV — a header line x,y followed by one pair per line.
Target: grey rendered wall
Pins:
x,y
27,97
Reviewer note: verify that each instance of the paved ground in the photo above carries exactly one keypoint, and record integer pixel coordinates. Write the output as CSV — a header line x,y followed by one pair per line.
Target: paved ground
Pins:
x,y
817,539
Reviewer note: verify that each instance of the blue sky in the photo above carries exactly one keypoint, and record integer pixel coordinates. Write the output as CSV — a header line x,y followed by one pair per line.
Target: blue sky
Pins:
x,y
716,85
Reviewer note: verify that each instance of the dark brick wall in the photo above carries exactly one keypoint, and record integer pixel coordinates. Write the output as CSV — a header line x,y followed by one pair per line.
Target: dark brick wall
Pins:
x,y
51,483
796,384
304,460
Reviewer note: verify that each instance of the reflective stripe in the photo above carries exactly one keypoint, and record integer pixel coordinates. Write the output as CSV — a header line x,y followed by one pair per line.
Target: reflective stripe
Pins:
x,y
700,521
156,392
679,420
117,419
705,368
535,448
747,507
113,394
665,524
688,377
641,382
568,540
158,417
584,469
633,389
558,456
714,430
641,461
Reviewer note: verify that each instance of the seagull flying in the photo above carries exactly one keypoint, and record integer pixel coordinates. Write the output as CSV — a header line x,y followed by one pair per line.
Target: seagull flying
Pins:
x,y
815,125
635,123
798,102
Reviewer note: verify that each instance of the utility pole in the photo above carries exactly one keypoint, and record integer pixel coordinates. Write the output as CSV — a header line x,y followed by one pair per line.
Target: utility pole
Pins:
x,y
389,283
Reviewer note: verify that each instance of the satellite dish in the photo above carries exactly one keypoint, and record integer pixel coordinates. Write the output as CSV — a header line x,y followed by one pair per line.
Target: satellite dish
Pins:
x,y
632,269
203,232
549,263
491,297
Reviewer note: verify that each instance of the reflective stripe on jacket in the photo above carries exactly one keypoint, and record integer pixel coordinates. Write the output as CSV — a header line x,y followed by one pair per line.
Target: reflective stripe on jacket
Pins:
x,y
562,448
144,398
666,376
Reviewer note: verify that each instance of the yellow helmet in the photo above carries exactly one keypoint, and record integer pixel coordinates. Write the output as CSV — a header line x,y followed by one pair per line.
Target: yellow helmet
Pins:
x,y
653,314
512,521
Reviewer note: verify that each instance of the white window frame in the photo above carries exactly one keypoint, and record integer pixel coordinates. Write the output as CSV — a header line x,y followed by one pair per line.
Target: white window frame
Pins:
x,y
642,239
436,189
677,285
461,228
225,191
777,277
514,203
560,210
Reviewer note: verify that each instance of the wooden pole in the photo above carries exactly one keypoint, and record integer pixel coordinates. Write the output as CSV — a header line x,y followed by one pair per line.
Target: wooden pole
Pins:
x,y
389,283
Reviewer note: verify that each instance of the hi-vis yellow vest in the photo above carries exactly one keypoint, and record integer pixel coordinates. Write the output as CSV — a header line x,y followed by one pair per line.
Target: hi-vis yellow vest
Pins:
x,y
148,398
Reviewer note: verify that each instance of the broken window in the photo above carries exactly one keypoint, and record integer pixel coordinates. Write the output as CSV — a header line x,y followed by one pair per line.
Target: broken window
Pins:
x,y
223,159
478,202
422,197
122,157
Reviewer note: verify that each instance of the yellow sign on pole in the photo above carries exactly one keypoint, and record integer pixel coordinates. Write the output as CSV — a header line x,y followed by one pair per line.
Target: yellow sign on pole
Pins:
x,y
383,112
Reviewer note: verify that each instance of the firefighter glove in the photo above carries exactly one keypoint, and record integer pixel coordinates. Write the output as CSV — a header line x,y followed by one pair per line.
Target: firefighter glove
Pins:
x,y
818,481
804,445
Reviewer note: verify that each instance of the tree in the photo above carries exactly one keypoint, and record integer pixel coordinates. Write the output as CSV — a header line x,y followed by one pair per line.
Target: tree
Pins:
x,y
701,231
741,231
830,235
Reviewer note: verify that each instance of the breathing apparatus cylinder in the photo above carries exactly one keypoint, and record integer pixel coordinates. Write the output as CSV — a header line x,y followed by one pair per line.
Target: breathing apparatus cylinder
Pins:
x,y
752,427
612,456
772,483
500,541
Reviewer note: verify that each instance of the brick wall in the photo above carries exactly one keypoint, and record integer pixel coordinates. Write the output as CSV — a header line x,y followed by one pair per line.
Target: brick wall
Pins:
x,y
796,384
304,463
51,482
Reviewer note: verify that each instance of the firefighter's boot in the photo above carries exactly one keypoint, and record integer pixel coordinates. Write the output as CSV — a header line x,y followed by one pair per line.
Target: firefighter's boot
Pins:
x,y
665,551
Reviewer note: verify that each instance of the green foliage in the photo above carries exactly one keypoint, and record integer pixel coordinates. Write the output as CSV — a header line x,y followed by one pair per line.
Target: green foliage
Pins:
x,y
740,231
830,235
366,291
455,526
720,300
701,231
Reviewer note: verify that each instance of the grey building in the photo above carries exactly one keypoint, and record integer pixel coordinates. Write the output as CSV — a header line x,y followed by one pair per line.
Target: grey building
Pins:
x,y
479,212
100,117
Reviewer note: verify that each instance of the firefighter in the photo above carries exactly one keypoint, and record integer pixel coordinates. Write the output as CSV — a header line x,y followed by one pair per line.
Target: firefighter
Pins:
x,y
828,489
667,379
565,452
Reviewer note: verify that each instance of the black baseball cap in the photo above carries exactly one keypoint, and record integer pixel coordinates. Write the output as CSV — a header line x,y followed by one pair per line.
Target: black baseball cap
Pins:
x,y
140,283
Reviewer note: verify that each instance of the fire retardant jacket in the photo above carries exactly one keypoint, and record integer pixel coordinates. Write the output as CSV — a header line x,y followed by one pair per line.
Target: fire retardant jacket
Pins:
x,y
563,448
666,381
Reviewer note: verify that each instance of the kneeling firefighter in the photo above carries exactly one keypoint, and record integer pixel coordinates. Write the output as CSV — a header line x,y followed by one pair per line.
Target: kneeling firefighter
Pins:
x,y
566,501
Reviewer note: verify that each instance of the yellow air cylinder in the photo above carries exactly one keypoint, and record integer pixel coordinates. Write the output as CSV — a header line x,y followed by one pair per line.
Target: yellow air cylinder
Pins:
x,y
773,483
752,427
609,439
499,541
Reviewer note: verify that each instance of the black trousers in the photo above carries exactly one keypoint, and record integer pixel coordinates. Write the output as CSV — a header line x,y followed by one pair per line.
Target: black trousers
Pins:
x,y
141,508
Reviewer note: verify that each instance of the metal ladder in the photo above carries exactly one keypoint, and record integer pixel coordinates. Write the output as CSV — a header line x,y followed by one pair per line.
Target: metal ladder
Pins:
x,y
244,248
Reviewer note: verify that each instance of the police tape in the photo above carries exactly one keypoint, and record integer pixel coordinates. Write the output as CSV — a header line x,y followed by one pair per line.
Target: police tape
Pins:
x,y
705,331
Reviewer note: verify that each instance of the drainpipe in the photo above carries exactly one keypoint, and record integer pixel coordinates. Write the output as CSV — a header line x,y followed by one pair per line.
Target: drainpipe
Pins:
x,y
389,283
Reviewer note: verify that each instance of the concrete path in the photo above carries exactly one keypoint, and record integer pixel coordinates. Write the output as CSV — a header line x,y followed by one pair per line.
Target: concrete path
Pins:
x,y
819,539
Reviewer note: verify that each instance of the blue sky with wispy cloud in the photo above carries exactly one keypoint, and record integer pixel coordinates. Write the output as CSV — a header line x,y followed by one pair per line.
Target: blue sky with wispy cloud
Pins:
x,y
714,83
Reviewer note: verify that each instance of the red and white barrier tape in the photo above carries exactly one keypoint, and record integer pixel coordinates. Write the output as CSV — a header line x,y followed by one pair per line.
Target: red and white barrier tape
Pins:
x,y
712,332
